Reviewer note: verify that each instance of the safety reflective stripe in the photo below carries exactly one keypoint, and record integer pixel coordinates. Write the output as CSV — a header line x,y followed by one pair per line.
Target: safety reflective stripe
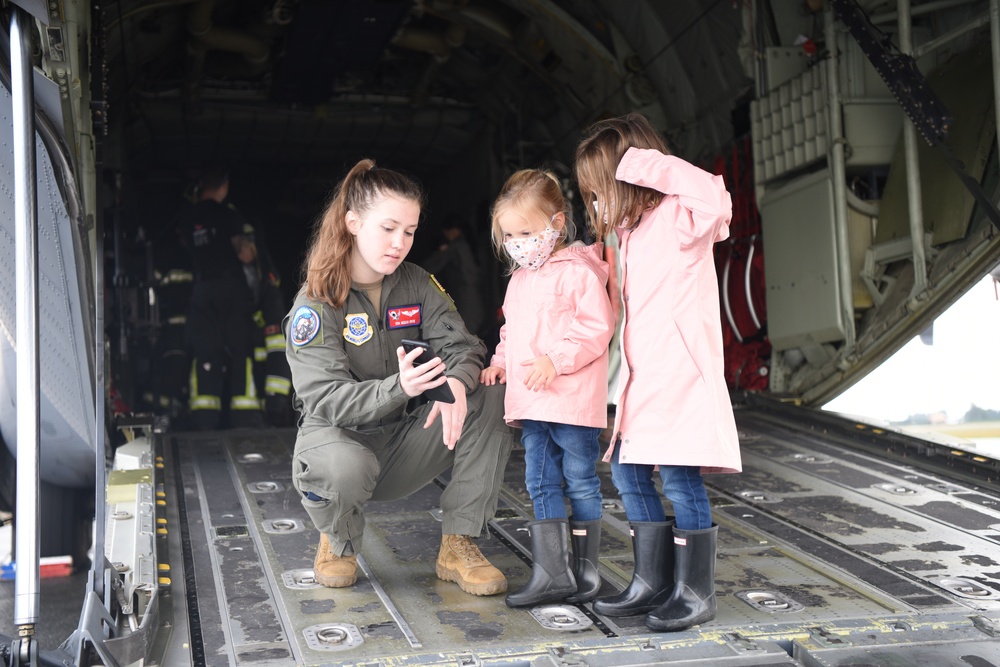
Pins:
x,y
244,403
177,319
275,343
275,385
206,403
260,354
201,401
248,401
177,276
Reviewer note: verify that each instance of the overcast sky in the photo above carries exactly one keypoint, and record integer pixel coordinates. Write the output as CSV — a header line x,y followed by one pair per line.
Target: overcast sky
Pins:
x,y
961,368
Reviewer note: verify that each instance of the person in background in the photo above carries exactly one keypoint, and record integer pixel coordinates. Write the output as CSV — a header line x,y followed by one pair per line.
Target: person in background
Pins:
x,y
173,282
271,371
365,431
171,354
673,409
220,328
455,265
553,356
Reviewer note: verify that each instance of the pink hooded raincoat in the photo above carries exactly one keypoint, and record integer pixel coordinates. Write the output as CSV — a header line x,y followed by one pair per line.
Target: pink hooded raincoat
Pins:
x,y
561,310
673,403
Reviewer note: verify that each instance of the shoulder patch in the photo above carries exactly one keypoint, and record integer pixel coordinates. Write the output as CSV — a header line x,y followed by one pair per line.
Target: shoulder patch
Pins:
x,y
436,285
305,326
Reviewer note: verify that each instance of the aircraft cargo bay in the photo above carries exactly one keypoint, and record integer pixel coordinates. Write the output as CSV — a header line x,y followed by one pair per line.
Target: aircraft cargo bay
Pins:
x,y
840,544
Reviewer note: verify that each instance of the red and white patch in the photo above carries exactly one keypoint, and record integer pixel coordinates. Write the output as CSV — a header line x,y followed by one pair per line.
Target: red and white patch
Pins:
x,y
403,316
680,541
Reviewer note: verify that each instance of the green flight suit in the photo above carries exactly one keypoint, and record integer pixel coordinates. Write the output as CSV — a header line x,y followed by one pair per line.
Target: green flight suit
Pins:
x,y
360,437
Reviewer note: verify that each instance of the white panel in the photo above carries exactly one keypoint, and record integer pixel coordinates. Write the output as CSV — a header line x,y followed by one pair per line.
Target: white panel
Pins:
x,y
789,125
800,265
67,401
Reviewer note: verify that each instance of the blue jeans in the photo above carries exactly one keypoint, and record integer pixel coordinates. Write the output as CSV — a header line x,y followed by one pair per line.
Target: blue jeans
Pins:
x,y
682,485
555,454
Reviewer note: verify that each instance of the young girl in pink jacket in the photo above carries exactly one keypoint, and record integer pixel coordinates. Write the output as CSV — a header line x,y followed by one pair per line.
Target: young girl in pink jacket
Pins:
x,y
673,404
553,357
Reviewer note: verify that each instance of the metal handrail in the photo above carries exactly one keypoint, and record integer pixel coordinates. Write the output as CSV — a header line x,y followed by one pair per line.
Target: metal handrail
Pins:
x,y
26,584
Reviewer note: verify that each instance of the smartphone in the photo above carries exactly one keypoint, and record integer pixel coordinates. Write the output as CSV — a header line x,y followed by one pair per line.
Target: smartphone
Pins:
x,y
442,393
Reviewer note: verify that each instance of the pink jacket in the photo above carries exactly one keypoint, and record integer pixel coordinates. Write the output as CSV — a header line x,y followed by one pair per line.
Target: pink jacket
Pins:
x,y
561,310
673,404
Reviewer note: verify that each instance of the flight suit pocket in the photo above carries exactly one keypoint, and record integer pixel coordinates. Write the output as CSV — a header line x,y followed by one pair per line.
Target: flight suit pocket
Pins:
x,y
312,494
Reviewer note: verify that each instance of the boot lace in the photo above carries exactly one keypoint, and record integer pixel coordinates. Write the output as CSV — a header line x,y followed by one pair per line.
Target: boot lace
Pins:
x,y
466,549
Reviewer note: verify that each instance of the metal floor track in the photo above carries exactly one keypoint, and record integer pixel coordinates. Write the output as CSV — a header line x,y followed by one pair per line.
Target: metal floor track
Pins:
x,y
828,555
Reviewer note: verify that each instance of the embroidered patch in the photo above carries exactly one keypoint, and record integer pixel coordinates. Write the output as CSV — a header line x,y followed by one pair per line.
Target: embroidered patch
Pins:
x,y
444,293
403,316
358,331
305,326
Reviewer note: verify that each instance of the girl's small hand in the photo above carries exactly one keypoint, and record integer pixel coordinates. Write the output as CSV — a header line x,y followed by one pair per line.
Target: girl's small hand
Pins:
x,y
493,374
542,373
415,380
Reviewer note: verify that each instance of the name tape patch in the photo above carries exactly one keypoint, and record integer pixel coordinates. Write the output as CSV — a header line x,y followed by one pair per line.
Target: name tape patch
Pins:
x,y
401,317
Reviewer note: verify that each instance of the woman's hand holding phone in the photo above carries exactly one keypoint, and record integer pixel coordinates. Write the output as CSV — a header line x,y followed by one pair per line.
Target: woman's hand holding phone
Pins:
x,y
441,391
415,379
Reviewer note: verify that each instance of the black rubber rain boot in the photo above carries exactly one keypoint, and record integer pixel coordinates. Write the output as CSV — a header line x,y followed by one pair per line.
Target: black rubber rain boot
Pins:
x,y
551,577
586,539
653,578
693,598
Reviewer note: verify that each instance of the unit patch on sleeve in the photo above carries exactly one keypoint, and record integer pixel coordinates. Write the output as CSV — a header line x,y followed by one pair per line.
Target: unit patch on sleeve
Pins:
x,y
305,325
401,317
358,331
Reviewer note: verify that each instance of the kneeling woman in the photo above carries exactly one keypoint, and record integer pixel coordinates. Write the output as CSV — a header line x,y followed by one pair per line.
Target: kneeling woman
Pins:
x,y
362,436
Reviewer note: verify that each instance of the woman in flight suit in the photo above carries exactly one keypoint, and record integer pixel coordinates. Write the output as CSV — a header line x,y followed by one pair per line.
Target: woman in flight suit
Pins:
x,y
362,435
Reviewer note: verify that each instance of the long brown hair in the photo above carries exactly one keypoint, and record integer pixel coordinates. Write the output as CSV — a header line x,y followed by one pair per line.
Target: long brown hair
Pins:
x,y
327,267
597,158
529,191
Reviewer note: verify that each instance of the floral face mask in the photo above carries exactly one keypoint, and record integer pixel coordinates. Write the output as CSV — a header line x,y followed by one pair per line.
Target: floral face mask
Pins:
x,y
531,253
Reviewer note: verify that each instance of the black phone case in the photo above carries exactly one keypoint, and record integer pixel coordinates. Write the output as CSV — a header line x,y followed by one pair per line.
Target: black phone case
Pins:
x,y
442,393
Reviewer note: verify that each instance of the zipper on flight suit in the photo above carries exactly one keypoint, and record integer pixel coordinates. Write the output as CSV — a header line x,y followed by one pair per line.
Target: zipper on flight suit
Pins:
x,y
379,329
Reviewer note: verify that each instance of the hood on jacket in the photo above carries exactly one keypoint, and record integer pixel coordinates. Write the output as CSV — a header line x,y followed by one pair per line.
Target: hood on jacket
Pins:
x,y
592,254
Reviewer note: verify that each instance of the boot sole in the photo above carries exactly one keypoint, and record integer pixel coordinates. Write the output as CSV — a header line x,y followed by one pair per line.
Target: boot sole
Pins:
x,y
677,626
549,598
620,613
342,581
488,588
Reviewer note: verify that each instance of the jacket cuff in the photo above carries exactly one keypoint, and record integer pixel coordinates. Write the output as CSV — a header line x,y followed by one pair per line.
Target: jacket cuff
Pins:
x,y
462,374
628,166
558,362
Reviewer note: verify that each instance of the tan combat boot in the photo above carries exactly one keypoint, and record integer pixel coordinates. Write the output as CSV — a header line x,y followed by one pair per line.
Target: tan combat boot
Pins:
x,y
333,571
461,561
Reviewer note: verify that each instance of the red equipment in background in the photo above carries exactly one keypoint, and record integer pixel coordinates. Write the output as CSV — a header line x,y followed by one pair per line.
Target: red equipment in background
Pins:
x,y
740,266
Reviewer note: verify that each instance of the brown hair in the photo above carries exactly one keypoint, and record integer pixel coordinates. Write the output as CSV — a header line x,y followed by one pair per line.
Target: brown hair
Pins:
x,y
530,191
597,158
327,267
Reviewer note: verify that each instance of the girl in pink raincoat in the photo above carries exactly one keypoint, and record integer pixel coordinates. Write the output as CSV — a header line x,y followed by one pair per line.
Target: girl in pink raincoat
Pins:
x,y
674,410
553,356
